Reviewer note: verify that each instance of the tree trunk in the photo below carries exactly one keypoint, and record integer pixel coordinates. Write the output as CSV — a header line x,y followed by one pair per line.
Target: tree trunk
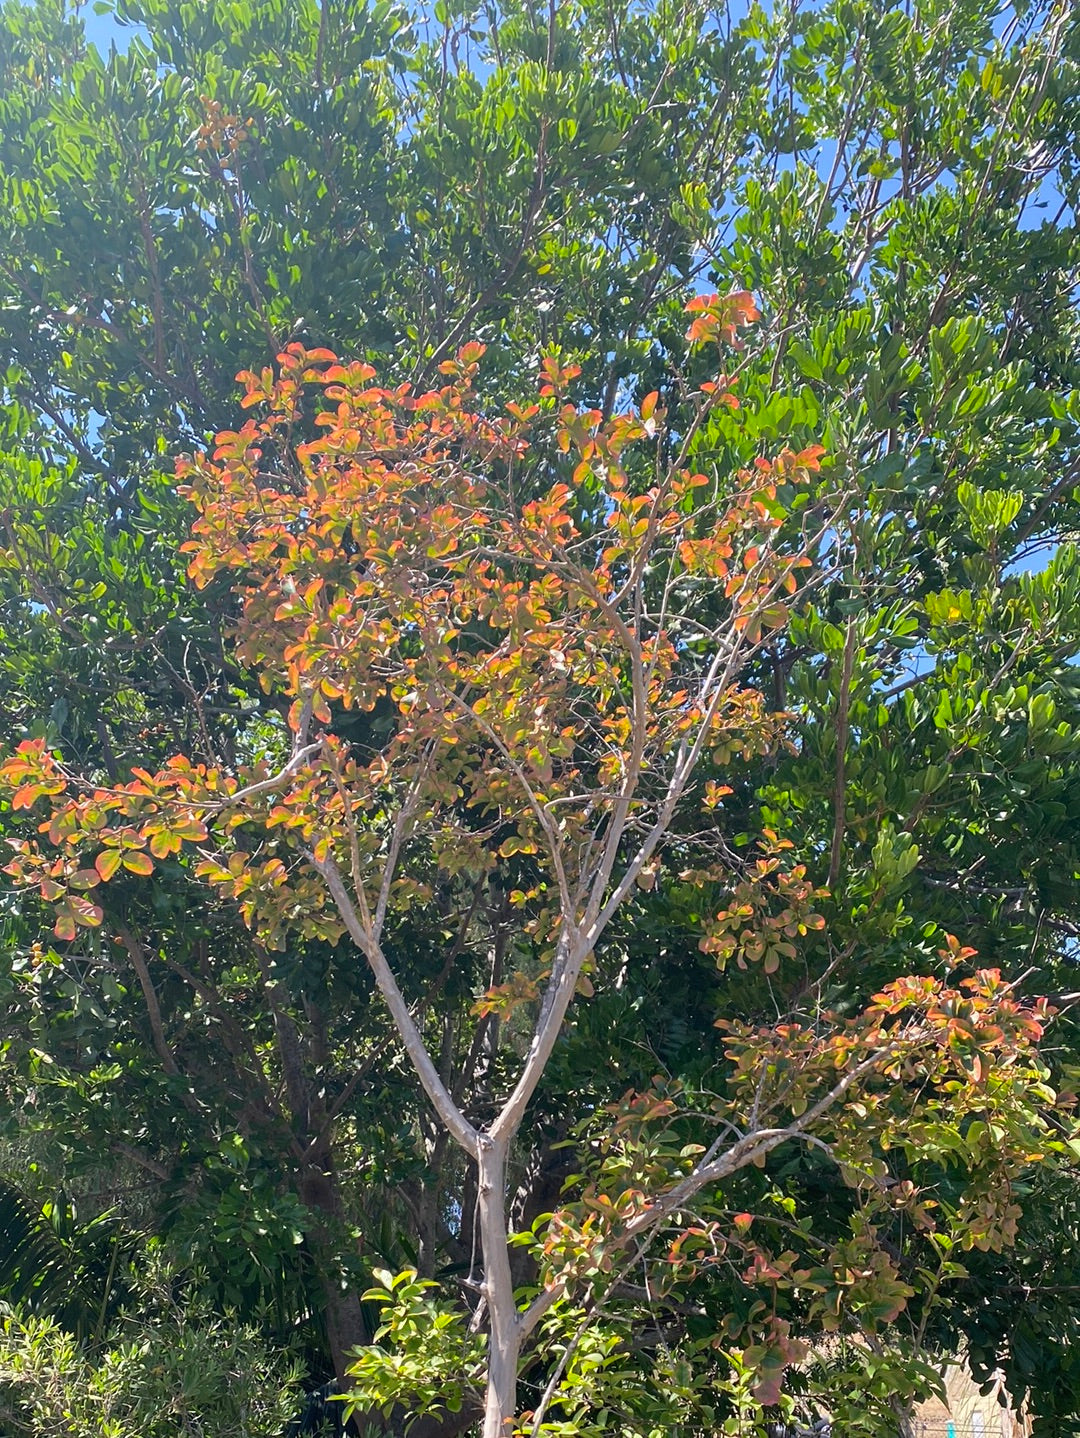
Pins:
x,y
500,1403
345,1327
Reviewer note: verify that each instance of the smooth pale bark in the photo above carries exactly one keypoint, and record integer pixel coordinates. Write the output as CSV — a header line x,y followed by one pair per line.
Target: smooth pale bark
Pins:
x,y
500,1399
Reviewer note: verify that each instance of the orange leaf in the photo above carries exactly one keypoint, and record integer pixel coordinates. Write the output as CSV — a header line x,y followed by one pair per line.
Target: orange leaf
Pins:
x,y
107,863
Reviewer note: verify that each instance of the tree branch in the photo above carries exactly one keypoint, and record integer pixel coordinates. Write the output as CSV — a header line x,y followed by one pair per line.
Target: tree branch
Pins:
x,y
840,781
444,1105
153,1012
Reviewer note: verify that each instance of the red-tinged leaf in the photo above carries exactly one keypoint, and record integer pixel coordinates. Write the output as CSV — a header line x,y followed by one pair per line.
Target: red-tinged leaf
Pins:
x,y
768,1389
65,927
107,863
85,879
138,863
51,891
648,404
24,797
163,844
775,616
810,457
742,305
86,914
742,1222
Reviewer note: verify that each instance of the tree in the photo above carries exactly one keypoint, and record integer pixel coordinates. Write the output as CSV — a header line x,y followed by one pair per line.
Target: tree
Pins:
x,y
917,323
545,706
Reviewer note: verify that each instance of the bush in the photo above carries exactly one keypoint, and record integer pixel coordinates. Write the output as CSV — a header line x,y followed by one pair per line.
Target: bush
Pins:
x,y
172,1369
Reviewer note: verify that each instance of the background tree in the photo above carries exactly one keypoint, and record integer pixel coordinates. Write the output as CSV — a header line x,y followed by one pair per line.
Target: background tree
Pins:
x,y
918,321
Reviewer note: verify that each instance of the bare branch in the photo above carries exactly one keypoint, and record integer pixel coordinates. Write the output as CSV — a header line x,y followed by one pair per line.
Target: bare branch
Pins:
x,y
840,781
366,941
755,1145
153,1012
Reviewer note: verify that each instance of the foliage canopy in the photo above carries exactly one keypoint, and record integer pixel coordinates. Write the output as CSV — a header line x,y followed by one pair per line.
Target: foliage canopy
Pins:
x,y
509,607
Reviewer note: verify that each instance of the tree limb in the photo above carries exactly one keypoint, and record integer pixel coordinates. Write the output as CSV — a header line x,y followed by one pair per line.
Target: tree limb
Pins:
x,y
444,1105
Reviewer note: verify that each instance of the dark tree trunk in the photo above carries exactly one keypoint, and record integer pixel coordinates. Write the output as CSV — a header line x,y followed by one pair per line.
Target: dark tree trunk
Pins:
x,y
345,1326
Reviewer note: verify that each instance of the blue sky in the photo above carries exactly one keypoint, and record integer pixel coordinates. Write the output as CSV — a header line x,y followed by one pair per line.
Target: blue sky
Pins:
x,y
105,30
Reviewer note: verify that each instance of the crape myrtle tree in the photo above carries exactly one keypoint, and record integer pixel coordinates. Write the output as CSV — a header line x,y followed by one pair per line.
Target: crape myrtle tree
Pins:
x,y
557,709
897,189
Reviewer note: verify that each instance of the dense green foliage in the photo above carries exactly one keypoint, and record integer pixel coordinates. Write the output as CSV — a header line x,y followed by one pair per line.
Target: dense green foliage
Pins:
x,y
171,1368
898,188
